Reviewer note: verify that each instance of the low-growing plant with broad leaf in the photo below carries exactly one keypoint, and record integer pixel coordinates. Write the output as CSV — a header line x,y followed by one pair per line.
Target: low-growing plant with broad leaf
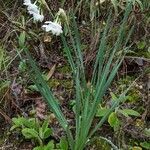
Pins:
x,y
113,118
32,129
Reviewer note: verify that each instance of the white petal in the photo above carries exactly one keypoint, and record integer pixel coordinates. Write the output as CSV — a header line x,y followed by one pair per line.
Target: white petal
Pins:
x,y
54,27
47,22
45,27
33,8
38,17
27,2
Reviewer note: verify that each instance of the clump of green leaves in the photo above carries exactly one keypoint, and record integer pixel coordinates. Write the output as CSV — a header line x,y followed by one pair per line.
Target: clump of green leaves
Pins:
x,y
62,145
32,129
145,145
39,132
113,118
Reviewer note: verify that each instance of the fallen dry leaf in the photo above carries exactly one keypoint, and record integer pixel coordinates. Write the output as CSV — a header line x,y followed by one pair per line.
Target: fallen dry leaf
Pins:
x,y
50,73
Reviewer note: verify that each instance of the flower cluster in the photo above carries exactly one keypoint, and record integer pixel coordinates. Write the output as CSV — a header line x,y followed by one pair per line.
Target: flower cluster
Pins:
x,y
55,27
33,10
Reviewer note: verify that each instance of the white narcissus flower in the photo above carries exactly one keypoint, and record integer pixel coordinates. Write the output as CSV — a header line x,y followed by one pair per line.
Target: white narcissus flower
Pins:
x,y
33,10
54,27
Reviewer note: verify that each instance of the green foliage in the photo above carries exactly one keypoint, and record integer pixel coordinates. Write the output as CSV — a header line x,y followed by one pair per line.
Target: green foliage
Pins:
x,y
21,122
114,121
101,111
113,118
33,88
129,112
22,66
21,39
145,145
86,98
4,85
44,131
32,129
141,45
37,131
49,146
30,133
4,58
22,36
147,132
63,144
